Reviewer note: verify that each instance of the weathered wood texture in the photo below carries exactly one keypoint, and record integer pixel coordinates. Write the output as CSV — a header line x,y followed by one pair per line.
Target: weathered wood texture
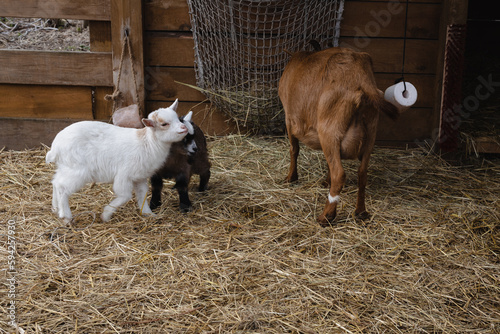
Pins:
x,y
55,68
34,131
35,101
376,27
100,41
65,9
373,26
126,20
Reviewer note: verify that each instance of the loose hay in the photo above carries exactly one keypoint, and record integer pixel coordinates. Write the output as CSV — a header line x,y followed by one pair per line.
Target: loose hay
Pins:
x,y
250,257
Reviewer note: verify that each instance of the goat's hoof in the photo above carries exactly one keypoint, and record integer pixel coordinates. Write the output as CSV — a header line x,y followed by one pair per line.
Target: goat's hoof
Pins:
x,y
326,221
105,217
363,215
154,205
185,208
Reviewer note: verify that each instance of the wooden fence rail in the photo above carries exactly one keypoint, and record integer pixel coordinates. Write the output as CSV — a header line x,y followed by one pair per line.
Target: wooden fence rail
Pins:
x,y
97,10
43,91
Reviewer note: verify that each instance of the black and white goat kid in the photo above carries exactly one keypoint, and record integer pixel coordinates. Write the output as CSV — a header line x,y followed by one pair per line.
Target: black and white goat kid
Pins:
x,y
188,157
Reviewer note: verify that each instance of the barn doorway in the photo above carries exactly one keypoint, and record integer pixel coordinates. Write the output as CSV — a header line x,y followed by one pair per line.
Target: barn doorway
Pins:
x,y
480,126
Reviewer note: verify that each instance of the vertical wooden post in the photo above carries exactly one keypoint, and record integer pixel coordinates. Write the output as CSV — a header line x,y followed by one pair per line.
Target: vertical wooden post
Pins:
x,y
100,41
454,20
126,17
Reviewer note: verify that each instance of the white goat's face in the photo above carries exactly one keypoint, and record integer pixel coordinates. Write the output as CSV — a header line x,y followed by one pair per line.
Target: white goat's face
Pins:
x,y
166,124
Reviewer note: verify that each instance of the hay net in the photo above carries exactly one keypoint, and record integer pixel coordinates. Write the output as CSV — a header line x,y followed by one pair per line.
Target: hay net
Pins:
x,y
240,51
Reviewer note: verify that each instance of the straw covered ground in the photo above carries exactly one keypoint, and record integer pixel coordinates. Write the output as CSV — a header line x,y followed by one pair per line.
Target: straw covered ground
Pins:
x,y
250,258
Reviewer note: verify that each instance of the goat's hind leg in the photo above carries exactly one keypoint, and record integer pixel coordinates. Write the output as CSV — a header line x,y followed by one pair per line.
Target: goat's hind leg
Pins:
x,y
55,198
294,155
204,177
361,212
64,184
337,177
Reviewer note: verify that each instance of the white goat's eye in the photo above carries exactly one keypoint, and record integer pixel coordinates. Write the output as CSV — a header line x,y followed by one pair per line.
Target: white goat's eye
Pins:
x,y
165,124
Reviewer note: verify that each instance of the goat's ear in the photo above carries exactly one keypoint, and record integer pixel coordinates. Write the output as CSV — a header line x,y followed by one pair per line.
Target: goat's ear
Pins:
x,y
148,122
174,105
187,118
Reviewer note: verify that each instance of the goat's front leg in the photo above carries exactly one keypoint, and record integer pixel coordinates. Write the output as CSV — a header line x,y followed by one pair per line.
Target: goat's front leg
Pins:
x,y
141,192
181,184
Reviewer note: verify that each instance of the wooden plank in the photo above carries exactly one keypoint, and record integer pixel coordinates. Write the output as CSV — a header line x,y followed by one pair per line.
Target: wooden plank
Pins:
x,y
127,19
411,1
364,18
102,108
169,49
162,83
487,145
170,15
387,19
55,68
212,121
63,9
100,36
45,101
387,54
413,125
19,134
100,41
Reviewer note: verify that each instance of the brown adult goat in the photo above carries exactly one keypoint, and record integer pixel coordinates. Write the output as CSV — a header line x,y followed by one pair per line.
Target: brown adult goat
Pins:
x,y
332,103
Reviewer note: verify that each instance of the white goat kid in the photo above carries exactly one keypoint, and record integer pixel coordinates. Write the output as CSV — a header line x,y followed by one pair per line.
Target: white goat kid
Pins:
x,y
91,151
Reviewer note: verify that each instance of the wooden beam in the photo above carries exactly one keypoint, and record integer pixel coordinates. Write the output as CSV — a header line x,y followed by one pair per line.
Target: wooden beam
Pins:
x,y
100,36
126,18
163,84
100,41
55,68
169,49
486,145
32,101
172,15
62,9
34,132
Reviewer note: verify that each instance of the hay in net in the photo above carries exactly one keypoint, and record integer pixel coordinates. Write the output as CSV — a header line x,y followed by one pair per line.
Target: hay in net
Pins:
x,y
240,51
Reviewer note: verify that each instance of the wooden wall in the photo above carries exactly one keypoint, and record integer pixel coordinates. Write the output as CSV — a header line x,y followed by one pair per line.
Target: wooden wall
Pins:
x,y
42,91
376,27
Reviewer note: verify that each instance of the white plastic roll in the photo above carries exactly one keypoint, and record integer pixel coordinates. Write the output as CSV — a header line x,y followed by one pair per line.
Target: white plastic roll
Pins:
x,y
402,99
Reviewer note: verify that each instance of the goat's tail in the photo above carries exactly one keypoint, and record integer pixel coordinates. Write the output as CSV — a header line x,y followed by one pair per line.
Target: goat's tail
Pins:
x,y
387,108
376,98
